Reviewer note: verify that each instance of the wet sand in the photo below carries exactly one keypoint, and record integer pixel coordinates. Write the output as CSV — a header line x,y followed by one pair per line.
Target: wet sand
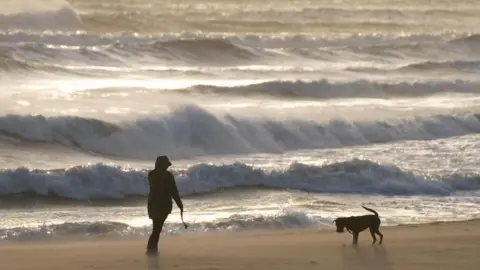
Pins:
x,y
437,246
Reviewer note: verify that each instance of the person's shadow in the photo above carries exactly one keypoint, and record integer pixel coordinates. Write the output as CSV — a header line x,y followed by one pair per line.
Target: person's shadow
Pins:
x,y
368,257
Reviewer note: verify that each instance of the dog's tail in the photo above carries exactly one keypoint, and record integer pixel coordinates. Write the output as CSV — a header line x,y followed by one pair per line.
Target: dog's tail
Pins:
x,y
371,210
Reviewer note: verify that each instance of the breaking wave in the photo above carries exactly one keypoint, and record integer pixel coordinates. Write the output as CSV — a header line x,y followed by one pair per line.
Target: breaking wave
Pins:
x,y
192,131
39,16
100,182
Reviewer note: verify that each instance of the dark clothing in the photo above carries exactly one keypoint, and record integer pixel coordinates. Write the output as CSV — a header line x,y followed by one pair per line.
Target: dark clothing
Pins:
x,y
162,189
157,226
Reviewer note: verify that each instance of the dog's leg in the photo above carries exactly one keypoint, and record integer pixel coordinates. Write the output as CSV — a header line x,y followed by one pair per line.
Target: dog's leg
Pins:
x,y
381,236
372,233
355,238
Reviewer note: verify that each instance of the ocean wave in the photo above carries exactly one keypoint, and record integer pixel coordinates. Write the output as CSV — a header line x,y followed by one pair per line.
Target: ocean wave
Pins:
x,y
39,16
134,51
469,39
269,17
66,230
209,48
270,41
17,66
286,220
458,65
266,41
190,131
102,182
48,57
324,89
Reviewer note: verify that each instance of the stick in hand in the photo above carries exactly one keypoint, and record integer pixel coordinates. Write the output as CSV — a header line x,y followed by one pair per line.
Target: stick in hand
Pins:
x,y
184,224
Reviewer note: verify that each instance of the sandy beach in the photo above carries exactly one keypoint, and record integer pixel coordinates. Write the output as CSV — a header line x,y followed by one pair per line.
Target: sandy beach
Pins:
x,y
277,117
452,245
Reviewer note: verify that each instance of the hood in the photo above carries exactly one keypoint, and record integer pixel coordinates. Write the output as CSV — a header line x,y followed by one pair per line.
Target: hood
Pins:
x,y
162,162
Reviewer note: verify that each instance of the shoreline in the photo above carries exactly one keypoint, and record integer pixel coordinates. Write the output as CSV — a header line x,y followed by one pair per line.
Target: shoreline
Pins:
x,y
189,233
438,245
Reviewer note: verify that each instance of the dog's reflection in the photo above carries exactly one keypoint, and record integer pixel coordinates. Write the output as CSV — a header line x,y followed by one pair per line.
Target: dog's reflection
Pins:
x,y
371,257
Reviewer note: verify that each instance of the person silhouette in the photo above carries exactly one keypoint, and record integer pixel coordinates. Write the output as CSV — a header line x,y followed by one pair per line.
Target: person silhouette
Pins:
x,y
162,190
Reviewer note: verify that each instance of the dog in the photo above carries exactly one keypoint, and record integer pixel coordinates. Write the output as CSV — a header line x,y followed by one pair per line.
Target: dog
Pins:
x,y
357,224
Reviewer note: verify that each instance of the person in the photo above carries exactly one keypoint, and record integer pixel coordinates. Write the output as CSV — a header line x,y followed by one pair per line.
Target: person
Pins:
x,y
162,189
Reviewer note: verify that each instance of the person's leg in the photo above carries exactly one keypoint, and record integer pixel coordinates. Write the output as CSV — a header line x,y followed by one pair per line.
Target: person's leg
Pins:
x,y
152,245
157,227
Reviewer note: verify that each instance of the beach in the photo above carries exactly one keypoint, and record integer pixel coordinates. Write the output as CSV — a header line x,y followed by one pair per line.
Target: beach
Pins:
x,y
449,245
277,116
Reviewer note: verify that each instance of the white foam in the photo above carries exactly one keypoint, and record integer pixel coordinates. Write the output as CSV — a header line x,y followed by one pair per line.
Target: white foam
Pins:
x,y
190,131
118,229
354,176
39,15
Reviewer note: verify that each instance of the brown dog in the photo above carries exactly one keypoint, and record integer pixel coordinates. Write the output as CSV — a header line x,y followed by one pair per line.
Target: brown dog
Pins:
x,y
357,224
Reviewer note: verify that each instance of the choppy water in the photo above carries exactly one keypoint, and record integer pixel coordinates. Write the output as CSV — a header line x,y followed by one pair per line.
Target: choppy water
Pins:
x,y
276,114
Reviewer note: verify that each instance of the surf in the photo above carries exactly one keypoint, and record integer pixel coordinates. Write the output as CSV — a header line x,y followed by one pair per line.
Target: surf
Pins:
x,y
189,131
106,182
39,15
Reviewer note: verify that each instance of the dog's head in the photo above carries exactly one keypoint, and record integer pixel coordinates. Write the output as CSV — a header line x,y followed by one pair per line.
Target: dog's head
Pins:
x,y
341,224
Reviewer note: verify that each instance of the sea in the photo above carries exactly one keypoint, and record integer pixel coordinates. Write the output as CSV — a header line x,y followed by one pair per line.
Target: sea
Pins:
x,y
276,114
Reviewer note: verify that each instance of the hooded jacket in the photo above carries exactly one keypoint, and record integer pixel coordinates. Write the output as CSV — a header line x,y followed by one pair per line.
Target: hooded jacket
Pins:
x,y
162,190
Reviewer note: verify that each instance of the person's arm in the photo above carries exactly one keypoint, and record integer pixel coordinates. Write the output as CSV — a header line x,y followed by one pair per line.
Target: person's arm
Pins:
x,y
175,194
